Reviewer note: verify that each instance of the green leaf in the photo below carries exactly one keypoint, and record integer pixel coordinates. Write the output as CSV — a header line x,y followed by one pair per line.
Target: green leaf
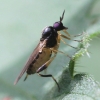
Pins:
x,y
81,87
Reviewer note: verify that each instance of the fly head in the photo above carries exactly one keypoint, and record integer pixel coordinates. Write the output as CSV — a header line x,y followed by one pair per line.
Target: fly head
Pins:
x,y
58,26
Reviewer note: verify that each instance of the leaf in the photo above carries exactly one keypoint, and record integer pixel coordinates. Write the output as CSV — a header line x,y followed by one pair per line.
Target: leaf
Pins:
x,y
81,87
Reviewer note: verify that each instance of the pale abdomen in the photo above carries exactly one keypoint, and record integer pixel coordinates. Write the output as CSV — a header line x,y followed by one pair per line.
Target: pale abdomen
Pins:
x,y
40,59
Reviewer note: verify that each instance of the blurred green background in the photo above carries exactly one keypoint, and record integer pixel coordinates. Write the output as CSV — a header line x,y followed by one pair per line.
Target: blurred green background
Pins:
x,y
21,23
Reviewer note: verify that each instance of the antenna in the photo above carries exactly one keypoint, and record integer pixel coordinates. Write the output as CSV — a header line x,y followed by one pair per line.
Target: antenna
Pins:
x,y
61,18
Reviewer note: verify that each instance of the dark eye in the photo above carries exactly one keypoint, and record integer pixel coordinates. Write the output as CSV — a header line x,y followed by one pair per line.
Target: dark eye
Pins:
x,y
59,26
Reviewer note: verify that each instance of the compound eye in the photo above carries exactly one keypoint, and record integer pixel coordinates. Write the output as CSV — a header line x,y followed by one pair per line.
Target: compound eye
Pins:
x,y
59,26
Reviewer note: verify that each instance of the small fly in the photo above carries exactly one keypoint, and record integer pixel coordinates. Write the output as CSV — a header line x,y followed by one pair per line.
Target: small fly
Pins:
x,y
46,50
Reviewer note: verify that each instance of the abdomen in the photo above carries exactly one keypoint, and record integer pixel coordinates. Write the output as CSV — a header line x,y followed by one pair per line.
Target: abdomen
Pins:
x,y
41,59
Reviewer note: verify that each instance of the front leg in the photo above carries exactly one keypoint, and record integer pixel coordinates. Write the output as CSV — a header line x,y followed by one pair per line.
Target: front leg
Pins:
x,y
69,38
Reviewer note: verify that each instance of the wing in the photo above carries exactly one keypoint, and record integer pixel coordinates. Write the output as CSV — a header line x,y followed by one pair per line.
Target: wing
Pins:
x,y
31,59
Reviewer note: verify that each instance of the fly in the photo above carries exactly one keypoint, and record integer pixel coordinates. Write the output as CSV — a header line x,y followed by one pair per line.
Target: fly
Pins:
x,y
46,50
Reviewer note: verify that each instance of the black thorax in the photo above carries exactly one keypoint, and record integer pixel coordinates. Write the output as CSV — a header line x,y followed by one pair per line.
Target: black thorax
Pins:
x,y
50,34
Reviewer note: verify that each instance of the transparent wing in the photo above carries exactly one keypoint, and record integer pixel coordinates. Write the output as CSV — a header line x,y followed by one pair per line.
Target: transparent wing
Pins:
x,y
31,59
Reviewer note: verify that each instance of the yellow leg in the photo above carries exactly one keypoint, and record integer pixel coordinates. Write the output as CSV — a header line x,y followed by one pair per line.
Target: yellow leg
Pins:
x,y
66,33
46,64
69,38
50,60
65,37
72,35
60,52
67,44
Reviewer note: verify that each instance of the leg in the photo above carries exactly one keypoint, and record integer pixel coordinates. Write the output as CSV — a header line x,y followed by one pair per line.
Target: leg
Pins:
x,y
60,52
66,33
49,75
44,66
67,44
26,77
72,35
68,38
